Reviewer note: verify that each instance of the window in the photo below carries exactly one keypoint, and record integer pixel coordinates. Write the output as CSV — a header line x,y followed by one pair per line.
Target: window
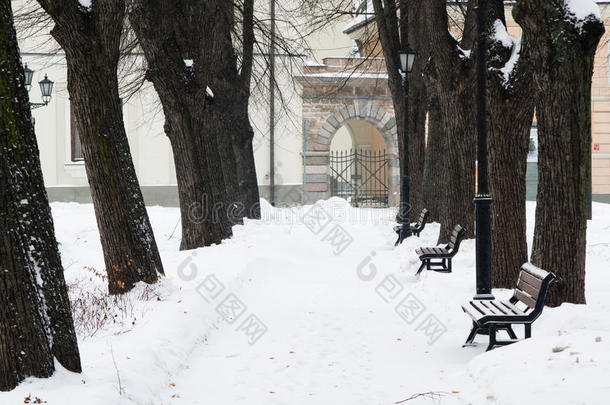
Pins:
x,y
75,145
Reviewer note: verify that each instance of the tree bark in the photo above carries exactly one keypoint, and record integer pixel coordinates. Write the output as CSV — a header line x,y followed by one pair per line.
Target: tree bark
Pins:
x,y
433,196
510,113
451,71
35,320
211,135
418,106
244,150
393,29
91,40
563,51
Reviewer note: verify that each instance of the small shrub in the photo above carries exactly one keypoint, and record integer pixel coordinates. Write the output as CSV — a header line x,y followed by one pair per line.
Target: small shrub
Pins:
x,y
93,309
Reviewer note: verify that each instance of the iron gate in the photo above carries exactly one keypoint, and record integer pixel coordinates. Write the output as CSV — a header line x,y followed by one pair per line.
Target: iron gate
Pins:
x,y
360,176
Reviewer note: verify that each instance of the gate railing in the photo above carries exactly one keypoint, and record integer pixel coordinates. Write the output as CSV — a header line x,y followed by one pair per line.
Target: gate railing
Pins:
x,y
360,176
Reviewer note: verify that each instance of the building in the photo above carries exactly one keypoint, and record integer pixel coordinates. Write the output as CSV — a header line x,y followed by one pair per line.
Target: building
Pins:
x,y
335,112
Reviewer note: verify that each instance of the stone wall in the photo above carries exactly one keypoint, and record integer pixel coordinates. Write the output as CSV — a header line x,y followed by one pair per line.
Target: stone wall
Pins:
x,y
334,94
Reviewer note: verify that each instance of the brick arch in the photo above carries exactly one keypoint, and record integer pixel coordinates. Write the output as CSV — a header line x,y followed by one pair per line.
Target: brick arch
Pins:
x,y
372,113
320,134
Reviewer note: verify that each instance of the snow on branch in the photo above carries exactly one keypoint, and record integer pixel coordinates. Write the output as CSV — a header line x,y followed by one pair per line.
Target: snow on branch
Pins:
x,y
500,34
582,11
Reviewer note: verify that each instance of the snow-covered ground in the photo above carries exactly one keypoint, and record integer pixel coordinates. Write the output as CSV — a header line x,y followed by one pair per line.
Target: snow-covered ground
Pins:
x,y
316,311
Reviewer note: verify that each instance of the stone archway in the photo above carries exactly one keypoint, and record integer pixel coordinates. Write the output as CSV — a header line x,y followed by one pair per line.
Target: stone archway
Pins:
x,y
330,100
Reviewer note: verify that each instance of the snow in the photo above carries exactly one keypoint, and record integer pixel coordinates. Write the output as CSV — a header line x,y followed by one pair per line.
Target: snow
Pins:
x,y
464,53
321,293
582,9
501,35
535,270
209,92
362,17
313,63
188,63
348,75
85,3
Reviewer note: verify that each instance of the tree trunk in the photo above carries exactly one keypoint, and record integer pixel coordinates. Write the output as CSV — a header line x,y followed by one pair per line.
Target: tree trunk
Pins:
x,y
92,54
418,106
91,40
193,100
563,51
201,185
451,71
246,172
510,112
217,179
433,196
35,321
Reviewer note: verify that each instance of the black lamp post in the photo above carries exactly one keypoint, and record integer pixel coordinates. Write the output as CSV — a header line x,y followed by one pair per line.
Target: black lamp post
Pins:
x,y
407,58
46,87
482,200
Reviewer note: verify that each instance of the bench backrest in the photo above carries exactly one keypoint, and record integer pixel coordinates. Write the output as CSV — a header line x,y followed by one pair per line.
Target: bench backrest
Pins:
x,y
457,235
532,287
423,217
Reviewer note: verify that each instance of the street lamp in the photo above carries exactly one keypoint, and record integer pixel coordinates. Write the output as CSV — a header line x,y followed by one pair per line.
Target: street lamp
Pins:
x,y
482,200
46,87
29,74
407,58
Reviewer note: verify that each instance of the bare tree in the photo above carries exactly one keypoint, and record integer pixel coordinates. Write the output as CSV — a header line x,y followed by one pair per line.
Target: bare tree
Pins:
x,y
451,72
394,26
36,324
91,39
510,113
562,51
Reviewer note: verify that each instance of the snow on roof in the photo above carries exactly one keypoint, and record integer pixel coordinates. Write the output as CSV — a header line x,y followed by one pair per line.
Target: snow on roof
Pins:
x,y
365,14
312,63
348,75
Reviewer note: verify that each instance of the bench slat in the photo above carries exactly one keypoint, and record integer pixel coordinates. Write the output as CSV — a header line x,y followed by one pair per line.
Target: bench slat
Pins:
x,y
526,299
516,311
481,308
492,308
529,289
498,305
531,280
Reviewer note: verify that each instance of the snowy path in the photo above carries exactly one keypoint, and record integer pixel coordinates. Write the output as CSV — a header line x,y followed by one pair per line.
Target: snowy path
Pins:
x,y
352,328
331,338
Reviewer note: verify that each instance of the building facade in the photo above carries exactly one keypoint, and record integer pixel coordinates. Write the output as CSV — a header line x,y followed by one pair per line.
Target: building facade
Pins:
x,y
331,105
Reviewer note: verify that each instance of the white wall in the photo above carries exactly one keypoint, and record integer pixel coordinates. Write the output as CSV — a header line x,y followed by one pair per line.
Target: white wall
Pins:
x,y
150,147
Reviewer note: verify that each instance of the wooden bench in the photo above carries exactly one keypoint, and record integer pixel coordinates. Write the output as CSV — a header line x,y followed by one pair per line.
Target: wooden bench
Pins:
x,y
442,254
491,316
415,228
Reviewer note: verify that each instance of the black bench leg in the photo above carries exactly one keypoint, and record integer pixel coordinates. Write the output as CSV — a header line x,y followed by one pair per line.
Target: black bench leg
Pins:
x,y
449,266
423,263
528,330
492,337
511,332
472,335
